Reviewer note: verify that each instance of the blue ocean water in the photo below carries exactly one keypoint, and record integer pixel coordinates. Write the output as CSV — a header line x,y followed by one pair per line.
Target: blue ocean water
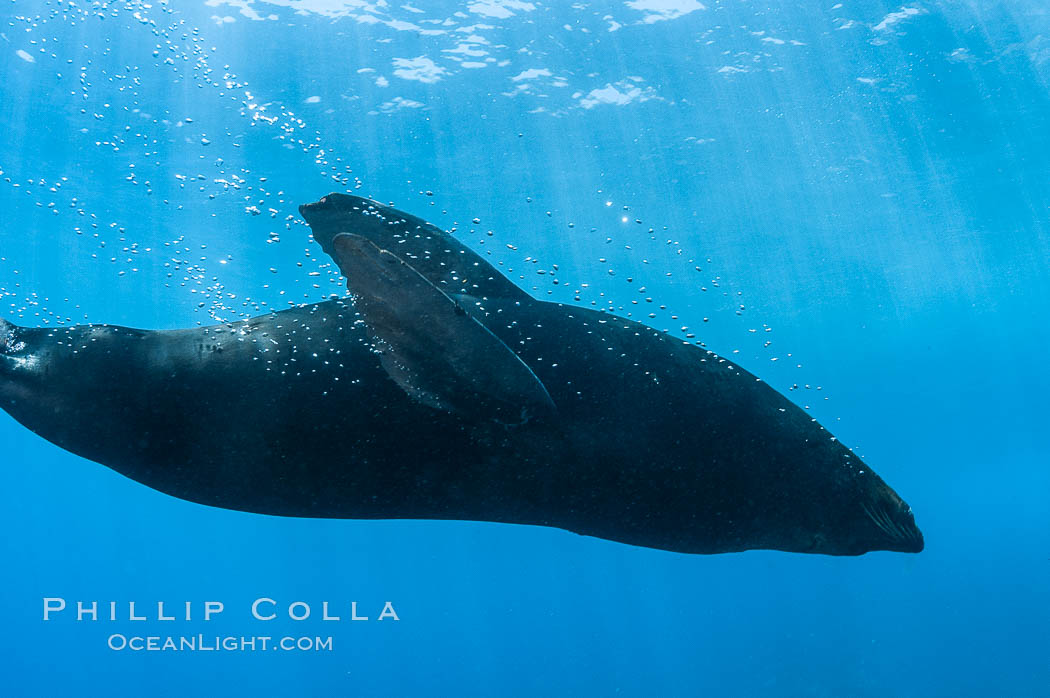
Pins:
x,y
863,186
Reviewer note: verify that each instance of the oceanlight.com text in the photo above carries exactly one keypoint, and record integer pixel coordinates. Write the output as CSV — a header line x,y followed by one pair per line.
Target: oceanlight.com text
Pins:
x,y
217,643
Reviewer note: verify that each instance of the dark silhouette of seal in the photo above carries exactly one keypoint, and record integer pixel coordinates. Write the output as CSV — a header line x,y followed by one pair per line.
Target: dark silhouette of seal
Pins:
x,y
443,391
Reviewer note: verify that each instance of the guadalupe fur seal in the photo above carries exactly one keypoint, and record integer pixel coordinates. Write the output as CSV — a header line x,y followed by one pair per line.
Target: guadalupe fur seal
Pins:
x,y
443,391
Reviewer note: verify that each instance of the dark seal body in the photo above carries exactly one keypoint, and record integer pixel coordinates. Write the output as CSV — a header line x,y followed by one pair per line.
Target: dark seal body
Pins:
x,y
323,411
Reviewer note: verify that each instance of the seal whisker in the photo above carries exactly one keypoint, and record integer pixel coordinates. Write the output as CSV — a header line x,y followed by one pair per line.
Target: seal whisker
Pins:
x,y
873,518
901,535
893,530
883,521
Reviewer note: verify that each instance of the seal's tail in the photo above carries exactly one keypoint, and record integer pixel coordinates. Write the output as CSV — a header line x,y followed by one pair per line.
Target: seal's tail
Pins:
x,y
10,341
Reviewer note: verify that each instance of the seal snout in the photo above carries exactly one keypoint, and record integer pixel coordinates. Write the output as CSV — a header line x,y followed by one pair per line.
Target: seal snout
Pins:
x,y
897,524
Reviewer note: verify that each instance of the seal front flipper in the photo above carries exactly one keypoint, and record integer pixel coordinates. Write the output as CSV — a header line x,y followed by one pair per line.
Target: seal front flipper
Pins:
x,y
438,256
430,346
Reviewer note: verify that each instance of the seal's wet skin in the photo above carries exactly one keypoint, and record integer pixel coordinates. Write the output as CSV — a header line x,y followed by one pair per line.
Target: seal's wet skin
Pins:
x,y
443,391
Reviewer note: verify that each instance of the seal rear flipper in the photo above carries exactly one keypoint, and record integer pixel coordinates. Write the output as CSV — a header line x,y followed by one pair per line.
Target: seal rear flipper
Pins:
x,y
11,343
430,346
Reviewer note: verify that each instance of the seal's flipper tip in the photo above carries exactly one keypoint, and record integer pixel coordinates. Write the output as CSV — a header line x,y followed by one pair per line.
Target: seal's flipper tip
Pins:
x,y
442,259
